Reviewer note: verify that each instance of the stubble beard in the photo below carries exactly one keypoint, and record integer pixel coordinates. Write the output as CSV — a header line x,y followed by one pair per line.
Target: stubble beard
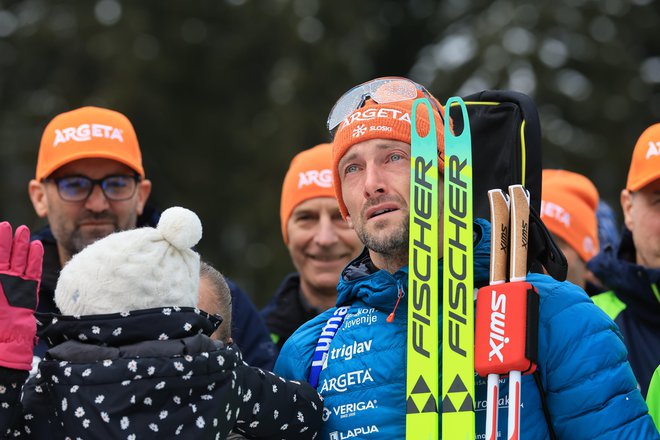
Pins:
x,y
393,245
77,240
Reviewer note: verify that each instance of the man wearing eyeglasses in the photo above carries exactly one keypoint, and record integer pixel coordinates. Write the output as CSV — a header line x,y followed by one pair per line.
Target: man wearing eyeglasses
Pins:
x,y
355,353
90,180
89,183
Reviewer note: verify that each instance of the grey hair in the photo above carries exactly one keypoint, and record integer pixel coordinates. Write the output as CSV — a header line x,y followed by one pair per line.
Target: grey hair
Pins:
x,y
223,296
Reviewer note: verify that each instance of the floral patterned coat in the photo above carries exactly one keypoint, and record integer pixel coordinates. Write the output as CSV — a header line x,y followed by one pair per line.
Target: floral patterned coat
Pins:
x,y
155,374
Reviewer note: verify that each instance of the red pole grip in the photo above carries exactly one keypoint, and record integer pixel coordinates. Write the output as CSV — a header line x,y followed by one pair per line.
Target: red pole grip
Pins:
x,y
506,336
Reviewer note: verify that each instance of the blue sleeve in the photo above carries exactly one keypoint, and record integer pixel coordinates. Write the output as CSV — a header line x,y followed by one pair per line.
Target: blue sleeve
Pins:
x,y
290,364
249,331
590,388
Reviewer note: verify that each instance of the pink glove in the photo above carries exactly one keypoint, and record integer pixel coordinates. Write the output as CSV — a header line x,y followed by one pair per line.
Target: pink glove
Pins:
x,y
20,276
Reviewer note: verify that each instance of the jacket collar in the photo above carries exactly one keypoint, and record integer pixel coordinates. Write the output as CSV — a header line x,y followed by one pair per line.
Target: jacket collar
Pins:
x,y
116,329
615,266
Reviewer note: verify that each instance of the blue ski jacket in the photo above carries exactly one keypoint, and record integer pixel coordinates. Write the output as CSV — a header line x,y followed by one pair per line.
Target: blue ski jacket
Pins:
x,y
588,385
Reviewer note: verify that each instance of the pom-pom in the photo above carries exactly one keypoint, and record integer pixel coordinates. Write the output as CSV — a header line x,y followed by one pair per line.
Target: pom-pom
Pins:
x,y
180,227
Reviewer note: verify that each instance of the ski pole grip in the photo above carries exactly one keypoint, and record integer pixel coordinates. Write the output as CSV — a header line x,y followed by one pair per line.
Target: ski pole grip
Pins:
x,y
506,329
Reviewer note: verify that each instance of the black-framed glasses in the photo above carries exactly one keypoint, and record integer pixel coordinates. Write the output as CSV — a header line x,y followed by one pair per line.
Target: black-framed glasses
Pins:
x,y
380,90
78,188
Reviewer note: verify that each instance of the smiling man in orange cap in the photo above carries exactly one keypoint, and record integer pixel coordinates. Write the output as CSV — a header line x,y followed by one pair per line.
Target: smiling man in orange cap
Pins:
x,y
319,241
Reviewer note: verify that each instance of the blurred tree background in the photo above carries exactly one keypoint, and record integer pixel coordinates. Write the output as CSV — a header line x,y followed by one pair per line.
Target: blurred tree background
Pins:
x,y
223,93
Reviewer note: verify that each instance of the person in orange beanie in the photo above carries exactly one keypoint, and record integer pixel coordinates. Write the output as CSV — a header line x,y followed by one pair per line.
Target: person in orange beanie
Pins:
x,y
568,208
319,241
632,269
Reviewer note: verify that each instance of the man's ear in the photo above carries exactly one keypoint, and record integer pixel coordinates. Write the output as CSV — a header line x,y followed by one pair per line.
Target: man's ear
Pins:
x,y
38,197
349,221
626,207
143,191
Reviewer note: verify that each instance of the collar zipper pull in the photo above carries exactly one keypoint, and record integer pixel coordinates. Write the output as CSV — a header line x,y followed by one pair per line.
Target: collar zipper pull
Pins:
x,y
390,317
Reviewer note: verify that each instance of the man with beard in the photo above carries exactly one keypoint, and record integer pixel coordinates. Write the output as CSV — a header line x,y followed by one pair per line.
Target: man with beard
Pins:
x,y
355,353
89,183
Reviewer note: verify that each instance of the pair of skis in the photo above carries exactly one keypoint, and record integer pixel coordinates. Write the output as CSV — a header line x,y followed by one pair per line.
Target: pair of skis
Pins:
x,y
458,349
457,403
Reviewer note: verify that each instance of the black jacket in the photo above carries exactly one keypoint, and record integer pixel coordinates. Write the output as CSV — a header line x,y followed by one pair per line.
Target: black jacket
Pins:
x,y
287,310
155,374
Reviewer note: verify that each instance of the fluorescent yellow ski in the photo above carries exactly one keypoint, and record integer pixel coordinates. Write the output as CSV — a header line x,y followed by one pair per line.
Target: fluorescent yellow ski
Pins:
x,y
458,421
422,353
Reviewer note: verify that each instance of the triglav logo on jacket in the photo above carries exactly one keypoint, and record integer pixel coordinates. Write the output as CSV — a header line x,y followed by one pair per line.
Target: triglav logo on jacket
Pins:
x,y
346,352
321,178
85,132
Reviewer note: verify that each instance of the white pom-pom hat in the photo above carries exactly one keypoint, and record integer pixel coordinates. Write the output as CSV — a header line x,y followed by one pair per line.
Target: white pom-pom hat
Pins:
x,y
136,269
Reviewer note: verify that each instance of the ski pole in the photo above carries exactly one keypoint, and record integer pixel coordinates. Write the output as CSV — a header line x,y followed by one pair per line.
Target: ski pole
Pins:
x,y
519,197
507,314
499,247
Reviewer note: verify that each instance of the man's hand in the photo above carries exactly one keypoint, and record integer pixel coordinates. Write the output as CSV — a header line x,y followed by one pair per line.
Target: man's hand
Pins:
x,y
20,276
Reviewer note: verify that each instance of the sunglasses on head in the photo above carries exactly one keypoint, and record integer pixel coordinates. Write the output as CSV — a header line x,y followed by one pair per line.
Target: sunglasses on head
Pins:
x,y
380,90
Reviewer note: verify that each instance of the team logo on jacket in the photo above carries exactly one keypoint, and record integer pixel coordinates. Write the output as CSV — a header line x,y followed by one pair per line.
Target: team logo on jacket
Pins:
x,y
343,381
349,409
85,132
353,433
363,316
347,351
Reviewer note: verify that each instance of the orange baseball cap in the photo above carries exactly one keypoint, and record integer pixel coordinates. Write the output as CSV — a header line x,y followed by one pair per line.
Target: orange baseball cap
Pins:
x,y
568,208
645,163
309,177
381,121
88,132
